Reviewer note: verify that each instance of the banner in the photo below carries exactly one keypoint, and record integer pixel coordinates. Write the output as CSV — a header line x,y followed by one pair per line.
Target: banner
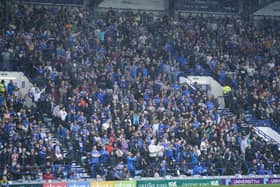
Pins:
x,y
25,185
102,184
224,182
179,183
273,181
246,181
55,184
124,183
158,183
79,184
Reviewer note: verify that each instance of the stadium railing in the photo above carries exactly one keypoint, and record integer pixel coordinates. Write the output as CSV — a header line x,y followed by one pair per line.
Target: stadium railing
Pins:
x,y
53,2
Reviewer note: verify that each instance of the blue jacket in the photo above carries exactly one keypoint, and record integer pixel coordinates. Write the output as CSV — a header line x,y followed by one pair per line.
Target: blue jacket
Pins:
x,y
130,162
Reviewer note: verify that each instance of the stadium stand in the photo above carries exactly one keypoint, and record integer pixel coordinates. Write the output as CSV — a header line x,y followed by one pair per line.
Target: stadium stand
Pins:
x,y
104,106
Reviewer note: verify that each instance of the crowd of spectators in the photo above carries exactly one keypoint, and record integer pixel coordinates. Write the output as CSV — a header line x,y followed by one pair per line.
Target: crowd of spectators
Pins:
x,y
116,109
250,58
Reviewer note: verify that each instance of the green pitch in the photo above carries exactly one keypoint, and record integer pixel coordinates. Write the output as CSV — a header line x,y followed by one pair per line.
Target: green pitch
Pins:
x,y
249,185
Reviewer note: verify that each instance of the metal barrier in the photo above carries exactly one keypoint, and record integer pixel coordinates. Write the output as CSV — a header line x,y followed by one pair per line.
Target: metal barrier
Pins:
x,y
53,2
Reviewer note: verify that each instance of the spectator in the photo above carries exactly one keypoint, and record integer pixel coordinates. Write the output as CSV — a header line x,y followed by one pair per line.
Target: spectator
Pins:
x,y
2,88
130,159
94,160
244,143
6,55
10,88
36,93
198,169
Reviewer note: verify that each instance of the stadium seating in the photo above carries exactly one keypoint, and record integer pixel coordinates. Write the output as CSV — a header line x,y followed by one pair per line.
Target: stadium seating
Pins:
x,y
107,103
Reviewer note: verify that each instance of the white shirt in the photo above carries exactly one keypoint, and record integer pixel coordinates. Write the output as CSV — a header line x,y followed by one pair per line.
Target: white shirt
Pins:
x,y
153,150
155,128
244,144
105,126
62,114
56,111
36,92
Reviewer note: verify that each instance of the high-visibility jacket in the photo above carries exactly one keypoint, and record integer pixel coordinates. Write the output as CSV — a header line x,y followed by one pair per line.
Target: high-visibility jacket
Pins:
x,y
226,89
2,88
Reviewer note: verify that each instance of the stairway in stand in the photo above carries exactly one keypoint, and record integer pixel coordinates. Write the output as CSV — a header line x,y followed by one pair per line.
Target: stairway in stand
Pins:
x,y
262,127
72,167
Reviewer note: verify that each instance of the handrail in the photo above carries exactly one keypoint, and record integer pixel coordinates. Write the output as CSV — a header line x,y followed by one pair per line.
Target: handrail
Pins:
x,y
266,136
48,3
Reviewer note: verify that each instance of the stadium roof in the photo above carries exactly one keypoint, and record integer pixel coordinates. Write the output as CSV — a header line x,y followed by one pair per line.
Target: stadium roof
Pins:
x,y
272,9
158,5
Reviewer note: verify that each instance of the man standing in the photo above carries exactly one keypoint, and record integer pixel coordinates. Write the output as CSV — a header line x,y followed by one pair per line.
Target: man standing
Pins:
x,y
5,59
94,160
